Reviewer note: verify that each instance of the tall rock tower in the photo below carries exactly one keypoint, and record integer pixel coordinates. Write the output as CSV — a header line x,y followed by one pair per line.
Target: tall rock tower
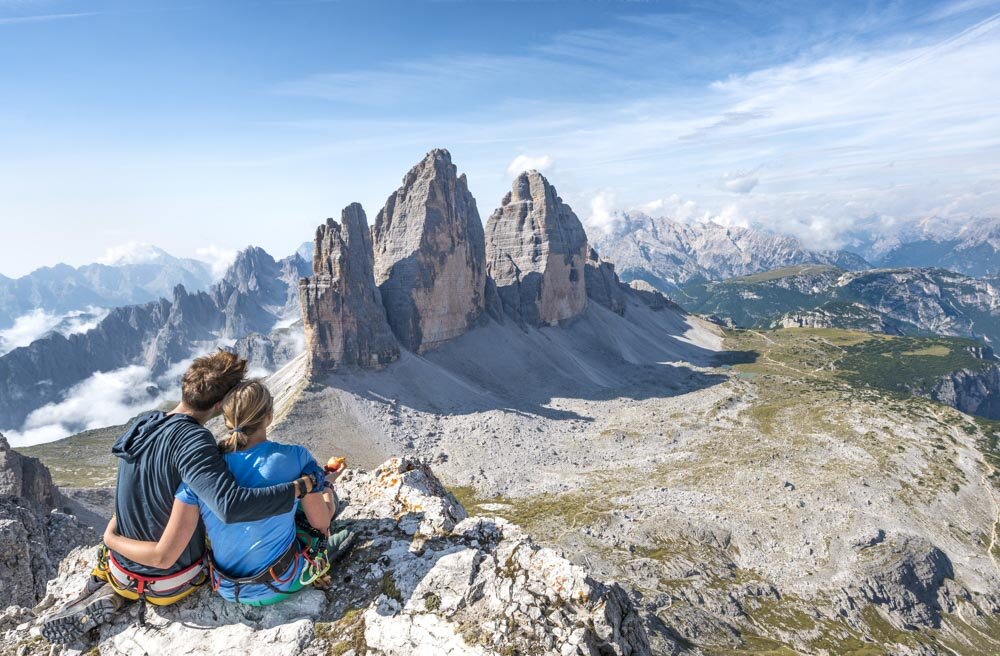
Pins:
x,y
345,322
430,255
536,251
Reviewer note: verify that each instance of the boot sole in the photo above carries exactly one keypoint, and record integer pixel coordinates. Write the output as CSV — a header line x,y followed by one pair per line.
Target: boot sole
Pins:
x,y
67,628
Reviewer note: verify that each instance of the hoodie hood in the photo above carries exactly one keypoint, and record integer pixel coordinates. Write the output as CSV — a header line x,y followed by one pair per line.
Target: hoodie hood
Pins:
x,y
142,432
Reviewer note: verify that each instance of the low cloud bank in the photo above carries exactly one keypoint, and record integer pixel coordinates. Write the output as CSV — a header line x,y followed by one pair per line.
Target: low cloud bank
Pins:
x,y
113,397
104,399
29,327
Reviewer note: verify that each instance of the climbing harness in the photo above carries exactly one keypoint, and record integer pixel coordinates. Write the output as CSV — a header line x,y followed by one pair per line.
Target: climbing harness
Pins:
x,y
311,548
157,590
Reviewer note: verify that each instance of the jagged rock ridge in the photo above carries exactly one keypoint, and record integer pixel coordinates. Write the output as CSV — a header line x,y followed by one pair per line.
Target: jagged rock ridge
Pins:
x,y
63,288
669,254
536,250
430,255
344,319
252,297
424,579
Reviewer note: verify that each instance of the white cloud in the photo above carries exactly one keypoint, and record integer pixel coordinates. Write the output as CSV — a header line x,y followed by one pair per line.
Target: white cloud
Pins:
x,y
132,252
29,327
218,258
676,208
103,399
602,212
522,163
739,182
730,216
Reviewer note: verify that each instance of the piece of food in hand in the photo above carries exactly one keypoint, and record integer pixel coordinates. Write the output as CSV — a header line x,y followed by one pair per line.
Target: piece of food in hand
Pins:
x,y
335,464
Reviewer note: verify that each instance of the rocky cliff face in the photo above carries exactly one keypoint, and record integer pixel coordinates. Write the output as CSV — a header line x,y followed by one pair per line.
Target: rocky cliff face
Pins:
x,y
27,478
972,392
848,316
34,535
257,291
423,579
345,322
536,251
430,255
603,285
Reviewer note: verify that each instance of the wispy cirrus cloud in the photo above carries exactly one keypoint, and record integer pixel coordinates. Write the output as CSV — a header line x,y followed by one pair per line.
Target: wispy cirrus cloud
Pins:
x,y
43,18
901,124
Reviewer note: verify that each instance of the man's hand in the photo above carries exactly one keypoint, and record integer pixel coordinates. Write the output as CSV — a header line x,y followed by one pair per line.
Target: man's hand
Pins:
x,y
316,475
111,530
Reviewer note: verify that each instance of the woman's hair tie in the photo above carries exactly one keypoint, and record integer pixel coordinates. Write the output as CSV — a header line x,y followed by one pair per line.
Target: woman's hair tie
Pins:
x,y
238,429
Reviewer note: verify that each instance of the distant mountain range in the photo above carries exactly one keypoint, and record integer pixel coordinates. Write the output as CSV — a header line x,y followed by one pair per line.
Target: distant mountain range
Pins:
x,y
971,247
256,295
157,310
669,254
61,288
895,301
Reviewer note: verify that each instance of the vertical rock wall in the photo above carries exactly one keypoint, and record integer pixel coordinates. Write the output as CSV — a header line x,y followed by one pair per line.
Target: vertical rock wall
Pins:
x,y
536,251
430,255
345,323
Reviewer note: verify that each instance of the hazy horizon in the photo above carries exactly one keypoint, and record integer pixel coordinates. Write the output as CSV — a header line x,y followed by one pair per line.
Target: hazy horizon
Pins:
x,y
205,128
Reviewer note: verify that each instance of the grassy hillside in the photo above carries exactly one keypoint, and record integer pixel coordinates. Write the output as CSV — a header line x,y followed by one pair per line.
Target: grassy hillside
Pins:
x,y
83,460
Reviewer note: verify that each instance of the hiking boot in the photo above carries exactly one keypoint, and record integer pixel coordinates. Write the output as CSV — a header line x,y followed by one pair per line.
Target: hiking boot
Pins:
x,y
339,544
78,618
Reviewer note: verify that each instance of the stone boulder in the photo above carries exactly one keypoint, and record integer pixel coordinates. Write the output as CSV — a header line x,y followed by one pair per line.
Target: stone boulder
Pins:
x,y
430,255
603,285
27,478
344,320
536,251
422,579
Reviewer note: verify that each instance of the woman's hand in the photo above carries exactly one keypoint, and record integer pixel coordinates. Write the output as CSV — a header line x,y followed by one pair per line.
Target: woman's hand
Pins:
x,y
334,468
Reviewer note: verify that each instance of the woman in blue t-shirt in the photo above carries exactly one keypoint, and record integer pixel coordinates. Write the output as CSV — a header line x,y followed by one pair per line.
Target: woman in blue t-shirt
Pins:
x,y
256,563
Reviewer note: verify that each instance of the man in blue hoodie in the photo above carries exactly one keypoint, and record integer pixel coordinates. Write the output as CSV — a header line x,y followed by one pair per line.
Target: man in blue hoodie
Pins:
x,y
157,452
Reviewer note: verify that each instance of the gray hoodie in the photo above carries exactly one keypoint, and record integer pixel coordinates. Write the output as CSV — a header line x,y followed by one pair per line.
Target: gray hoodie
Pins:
x,y
156,452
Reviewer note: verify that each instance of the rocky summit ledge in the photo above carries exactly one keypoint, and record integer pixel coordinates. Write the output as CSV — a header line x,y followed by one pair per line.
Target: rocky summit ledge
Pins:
x,y
424,579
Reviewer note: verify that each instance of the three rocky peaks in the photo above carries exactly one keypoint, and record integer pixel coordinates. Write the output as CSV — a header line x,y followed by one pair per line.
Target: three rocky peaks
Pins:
x,y
427,271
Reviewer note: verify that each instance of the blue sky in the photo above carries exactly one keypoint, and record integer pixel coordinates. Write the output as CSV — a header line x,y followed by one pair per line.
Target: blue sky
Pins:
x,y
203,127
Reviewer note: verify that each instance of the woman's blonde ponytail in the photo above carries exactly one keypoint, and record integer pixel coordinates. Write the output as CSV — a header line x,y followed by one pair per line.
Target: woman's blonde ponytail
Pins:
x,y
246,409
